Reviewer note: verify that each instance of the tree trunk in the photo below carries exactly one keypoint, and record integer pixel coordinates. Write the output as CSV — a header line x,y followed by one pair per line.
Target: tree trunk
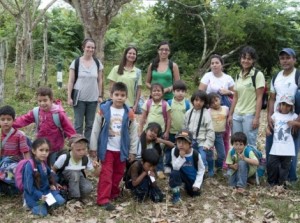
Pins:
x,y
44,76
2,70
96,16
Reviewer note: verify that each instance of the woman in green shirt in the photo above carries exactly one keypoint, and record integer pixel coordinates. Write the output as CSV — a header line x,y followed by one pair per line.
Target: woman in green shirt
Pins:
x,y
127,73
163,71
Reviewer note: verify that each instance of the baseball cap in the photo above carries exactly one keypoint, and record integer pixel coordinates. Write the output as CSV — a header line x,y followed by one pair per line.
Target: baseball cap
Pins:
x,y
76,138
288,51
287,99
185,134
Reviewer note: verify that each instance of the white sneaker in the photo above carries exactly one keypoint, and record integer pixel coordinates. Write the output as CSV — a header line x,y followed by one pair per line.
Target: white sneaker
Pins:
x,y
167,170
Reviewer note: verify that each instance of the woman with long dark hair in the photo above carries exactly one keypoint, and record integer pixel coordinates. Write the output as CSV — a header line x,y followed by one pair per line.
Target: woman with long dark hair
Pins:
x,y
163,71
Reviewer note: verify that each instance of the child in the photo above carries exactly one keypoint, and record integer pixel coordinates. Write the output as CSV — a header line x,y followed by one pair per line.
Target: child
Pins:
x,y
13,148
38,180
179,105
157,110
188,167
283,148
114,137
150,139
140,178
72,167
219,116
46,124
198,121
243,166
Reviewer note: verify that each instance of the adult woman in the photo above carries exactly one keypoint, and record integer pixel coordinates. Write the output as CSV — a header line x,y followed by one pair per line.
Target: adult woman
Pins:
x,y
218,82
85,87
247,100
127,73
163,71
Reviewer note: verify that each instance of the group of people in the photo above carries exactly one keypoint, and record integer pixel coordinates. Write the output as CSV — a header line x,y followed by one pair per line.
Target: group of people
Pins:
x,y
184,139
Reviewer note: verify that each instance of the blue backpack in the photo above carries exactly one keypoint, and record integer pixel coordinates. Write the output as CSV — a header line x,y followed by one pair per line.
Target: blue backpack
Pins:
x,y
187,104
55,117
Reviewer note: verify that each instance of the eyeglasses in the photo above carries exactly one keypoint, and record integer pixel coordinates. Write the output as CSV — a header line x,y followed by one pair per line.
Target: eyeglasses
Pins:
x,y
164,49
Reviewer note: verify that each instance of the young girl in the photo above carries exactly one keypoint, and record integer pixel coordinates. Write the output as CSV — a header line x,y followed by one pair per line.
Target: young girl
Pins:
x,y
283,148
47,126
198,121
157,110
219,116
38,180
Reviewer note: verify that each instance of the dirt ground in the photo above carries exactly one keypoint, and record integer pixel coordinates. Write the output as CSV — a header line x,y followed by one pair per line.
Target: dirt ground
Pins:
x,y
217,203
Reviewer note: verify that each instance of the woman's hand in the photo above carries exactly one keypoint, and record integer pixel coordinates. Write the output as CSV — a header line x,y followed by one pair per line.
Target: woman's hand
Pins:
x,y
70,101
255,123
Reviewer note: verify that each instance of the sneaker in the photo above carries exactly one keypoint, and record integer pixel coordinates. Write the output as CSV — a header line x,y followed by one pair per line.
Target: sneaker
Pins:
x,y
176,198
161,175
108,207
167,170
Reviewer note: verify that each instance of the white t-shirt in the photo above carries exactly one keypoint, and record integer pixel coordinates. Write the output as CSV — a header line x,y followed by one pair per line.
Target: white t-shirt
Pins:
x,y
114,132
215,83
72,164
283,144
284,85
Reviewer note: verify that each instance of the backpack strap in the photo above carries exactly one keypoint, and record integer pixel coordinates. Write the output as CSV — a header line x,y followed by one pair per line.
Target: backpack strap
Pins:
x,y
190,116
176,152
171,68
66,163
148,104
297,76
35,112
164,111
187,105
55,117
3,142
76,69
254,78
195,159
199,123
138,74
97,63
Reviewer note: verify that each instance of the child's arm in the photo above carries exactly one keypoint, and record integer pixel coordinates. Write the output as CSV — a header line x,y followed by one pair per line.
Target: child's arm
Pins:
x,y
168,143
133,140
142,121
250,161
95,135
24,120
137,179
210,133
294,123
26,155
168,126
177,162
200,173
23,146
97,168
66,125
186,118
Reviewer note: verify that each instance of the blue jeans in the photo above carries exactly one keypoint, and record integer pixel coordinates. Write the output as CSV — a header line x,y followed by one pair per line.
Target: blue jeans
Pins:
x,y
207,157
243,123
42,209
240,176
293,169
220,147
85,111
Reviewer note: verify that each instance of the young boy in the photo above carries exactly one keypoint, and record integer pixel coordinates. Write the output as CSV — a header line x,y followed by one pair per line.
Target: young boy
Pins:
x,y
114,138
140,178
243,165
179,105
13,148
188,167
198,121
219,116
47,125
72,166
283,148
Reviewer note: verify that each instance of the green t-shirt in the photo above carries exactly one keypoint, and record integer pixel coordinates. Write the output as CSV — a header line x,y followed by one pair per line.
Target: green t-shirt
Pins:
x,y
165,79
246,103
178,110
233,159
128,78
155,114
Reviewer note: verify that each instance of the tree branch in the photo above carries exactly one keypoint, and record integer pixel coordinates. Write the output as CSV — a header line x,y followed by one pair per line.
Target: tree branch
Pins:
x,y
42,13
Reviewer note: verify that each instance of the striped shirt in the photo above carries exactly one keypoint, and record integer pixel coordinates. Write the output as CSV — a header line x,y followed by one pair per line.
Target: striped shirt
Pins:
x,y
15,145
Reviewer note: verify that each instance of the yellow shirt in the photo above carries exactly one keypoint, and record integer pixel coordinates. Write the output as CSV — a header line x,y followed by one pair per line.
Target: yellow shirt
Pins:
x,y
178,110
219,118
